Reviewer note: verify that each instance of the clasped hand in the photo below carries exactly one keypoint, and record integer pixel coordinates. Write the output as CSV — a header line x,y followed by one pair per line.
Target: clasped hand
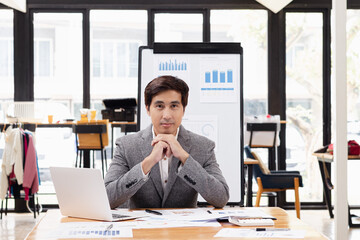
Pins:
x,y
164,145
167,145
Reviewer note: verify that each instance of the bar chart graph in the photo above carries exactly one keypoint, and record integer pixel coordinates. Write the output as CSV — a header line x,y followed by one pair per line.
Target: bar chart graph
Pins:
x,y
172,65
216,76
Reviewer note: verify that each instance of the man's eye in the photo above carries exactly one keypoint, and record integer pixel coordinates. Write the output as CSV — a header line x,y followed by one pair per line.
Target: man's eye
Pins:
x,y
174,105
159,106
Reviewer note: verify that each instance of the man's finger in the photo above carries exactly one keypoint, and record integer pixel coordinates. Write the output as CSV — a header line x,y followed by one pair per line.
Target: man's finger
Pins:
x,y
168,151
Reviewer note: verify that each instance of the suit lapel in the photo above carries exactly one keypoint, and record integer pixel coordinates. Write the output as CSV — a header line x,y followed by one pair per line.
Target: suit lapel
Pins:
x,y
146,150
183,139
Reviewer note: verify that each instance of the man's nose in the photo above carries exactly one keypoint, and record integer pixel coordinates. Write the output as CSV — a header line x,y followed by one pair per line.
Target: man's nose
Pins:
x,y
167,113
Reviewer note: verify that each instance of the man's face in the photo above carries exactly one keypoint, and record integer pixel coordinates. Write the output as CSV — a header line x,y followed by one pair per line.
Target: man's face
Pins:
x,y
166,112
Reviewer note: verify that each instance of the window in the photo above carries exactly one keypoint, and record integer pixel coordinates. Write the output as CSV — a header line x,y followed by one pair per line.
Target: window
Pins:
x,y
304,97
249,27
116,36
293,53
6,59
113,59
178,27
42,58
58,67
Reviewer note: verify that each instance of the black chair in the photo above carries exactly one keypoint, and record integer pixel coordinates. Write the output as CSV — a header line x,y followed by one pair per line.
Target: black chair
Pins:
x,y
91,137
274,181
36,206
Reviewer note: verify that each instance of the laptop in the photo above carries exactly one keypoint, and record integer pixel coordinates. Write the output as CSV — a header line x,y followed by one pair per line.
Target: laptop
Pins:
x,y
81,193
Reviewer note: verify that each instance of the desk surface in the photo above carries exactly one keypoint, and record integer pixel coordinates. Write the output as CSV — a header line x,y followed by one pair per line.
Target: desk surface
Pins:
x,y
53,218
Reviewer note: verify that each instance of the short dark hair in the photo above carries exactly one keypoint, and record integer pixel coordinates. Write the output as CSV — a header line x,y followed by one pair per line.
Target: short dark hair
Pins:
x,y
164,83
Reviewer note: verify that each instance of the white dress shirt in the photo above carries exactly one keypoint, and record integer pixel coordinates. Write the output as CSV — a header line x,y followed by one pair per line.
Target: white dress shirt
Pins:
x,y
164,165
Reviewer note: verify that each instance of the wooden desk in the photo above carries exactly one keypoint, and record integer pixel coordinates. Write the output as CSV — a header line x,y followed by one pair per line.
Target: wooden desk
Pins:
x,y
325,160
53,218
249,162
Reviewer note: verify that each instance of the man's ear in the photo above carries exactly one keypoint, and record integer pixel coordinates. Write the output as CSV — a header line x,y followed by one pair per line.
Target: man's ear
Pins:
x,y
148,110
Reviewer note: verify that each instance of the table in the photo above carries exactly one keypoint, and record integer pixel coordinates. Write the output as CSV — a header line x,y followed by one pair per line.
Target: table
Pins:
x,y
53,218
325,160
249,162
125,126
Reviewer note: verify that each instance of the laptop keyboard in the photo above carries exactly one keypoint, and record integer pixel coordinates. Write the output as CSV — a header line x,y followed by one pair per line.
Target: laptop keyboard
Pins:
x,y
114,215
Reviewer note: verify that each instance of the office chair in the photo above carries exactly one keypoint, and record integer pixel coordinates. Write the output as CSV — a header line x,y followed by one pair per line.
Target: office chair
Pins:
x,y
91,137
274,181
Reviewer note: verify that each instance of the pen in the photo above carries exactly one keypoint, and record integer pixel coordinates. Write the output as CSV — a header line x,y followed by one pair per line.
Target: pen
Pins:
x,y
108,228
250,217
153,212
271,229
209,211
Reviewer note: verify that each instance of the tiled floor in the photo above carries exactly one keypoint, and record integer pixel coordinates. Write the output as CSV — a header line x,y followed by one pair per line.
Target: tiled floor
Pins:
x,y
320,221
17,226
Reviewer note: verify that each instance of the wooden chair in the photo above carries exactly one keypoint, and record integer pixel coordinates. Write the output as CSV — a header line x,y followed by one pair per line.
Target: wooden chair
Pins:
x,y
275,181
91,137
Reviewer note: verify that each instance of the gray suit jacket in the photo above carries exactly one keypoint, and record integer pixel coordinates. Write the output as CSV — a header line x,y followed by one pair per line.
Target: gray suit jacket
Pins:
x,y
200,174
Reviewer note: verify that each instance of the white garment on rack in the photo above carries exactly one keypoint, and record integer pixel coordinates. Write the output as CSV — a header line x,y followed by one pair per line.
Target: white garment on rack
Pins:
x,y
12,156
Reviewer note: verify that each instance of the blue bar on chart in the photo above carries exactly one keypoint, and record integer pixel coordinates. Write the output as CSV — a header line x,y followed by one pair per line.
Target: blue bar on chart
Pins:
x,y
215,76
222,77
172,66
207,77
229,76
183,66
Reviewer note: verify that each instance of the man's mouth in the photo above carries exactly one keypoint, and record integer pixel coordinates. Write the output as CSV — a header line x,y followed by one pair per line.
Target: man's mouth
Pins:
x,y
166,124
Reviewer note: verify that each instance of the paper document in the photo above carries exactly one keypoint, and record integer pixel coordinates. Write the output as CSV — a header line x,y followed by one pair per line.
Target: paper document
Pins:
x,y
130,214
186,214
202,214
160,223
251,233
243,213
93,230
251,221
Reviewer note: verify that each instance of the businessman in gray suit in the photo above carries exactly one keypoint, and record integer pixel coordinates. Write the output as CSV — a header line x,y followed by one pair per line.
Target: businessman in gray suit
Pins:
x,y
165,165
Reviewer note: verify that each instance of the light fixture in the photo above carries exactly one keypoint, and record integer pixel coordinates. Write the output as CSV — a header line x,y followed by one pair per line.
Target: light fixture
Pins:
x,y
16,4
274,5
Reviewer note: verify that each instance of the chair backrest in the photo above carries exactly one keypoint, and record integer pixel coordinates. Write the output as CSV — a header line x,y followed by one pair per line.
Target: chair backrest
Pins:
x,y
91,136
261,128
262,165
258,172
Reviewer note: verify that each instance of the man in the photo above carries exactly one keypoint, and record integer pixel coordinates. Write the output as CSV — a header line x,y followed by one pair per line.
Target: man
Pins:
x,y
164,165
